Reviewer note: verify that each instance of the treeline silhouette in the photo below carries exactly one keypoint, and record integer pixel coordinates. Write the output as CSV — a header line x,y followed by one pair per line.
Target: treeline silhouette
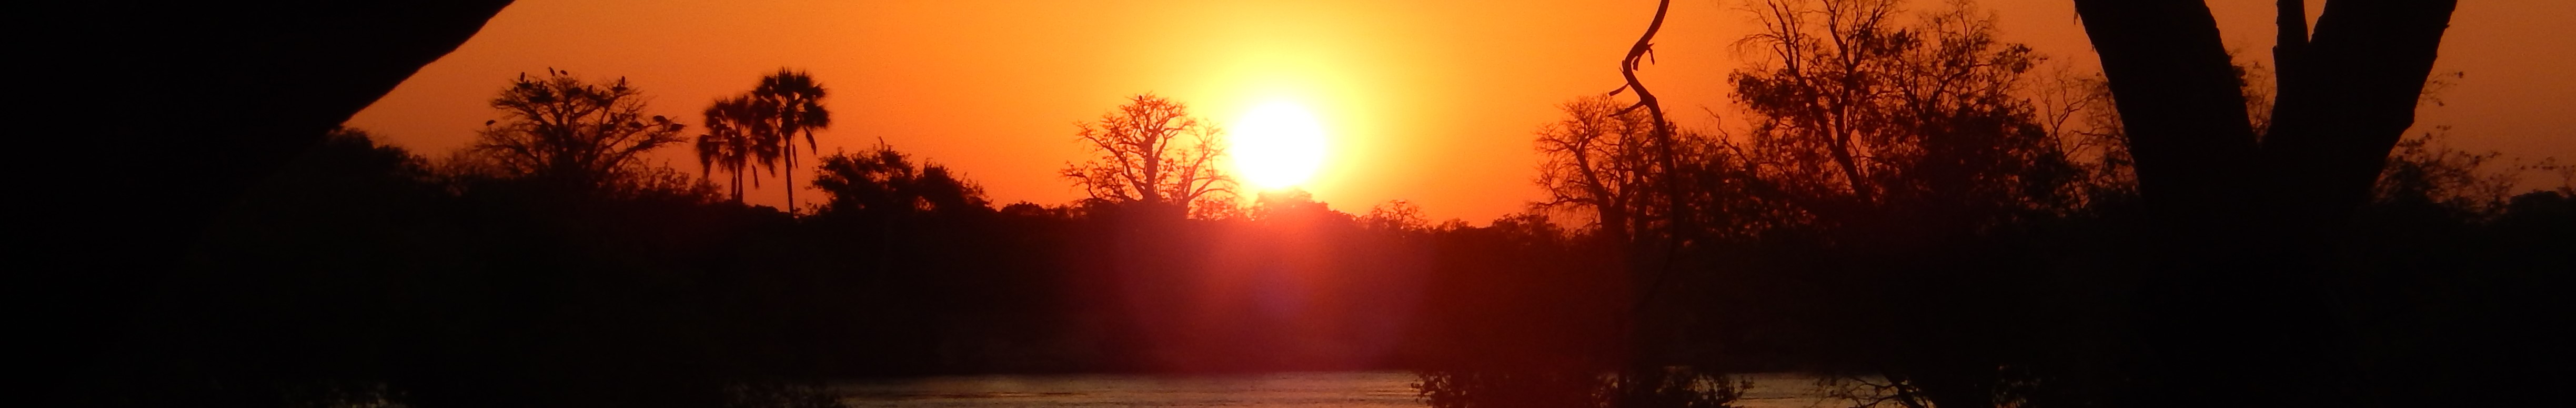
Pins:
x,y
1926,215
364,273
1917,211
549,265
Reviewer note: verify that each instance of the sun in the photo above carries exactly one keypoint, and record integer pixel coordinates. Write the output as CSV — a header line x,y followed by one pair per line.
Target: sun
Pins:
x,y
1277,145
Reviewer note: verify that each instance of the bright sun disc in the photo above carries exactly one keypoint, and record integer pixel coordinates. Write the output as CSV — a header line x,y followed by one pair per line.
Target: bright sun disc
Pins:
x,y
1277,145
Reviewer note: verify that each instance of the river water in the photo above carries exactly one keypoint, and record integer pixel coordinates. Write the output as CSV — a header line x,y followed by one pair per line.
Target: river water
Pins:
x,y
1280,390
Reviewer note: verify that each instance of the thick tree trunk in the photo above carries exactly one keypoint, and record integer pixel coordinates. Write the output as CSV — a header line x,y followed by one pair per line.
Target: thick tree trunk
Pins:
x,y
2348,95
2235,315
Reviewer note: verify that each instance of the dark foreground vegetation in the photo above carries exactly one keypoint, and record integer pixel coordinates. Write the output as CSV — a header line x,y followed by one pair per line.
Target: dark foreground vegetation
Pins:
x,y
1929,215
363,272
1920,212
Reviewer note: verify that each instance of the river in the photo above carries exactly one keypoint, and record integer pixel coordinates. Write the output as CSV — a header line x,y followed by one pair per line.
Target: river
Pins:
x,y
1279,390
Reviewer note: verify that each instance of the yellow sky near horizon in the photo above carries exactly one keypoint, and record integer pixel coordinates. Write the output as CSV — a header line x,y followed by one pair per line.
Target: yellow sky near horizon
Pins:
x,y
1431,102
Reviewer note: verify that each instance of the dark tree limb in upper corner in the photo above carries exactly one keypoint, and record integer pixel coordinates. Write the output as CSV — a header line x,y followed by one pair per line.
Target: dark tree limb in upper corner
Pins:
x,y
177,108
2233,311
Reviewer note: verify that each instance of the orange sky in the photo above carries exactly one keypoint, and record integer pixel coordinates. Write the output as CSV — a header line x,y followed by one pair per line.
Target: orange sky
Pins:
x,y
1431,102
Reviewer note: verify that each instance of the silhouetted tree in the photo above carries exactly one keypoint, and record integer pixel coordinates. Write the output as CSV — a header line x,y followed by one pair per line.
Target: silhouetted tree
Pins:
x,y
2242,214
1290,204
2422,169
732,141
1605,158
1396,215
1817,91
1902,115
1887,166
579,135
1151,151
885,181
2077,110
795,103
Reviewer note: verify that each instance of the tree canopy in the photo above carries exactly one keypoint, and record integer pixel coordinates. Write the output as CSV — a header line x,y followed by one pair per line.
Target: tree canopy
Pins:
x,y
1151,151
580,135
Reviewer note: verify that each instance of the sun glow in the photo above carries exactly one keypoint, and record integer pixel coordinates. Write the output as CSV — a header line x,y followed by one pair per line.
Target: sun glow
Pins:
x,y
1277,145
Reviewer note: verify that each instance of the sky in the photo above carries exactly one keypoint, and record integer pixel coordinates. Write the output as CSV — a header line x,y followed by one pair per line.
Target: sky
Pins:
x,y
1432,102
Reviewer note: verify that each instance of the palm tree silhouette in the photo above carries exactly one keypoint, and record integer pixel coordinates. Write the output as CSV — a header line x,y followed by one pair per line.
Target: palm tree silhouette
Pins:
x,y
794,103
732,143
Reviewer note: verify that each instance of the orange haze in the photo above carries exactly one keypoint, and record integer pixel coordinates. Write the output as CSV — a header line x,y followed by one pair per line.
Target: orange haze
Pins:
x,y
1431,102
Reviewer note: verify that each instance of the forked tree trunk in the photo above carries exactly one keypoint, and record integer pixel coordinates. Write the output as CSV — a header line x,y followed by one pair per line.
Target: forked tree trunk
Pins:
x,y
2235,313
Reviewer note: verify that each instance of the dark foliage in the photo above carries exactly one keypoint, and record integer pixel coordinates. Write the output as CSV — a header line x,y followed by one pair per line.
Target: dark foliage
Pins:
x,y
575,135
1901,218
363,274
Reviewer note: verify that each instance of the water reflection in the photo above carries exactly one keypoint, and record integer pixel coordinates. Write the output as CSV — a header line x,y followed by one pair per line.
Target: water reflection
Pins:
x,y
1306,390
